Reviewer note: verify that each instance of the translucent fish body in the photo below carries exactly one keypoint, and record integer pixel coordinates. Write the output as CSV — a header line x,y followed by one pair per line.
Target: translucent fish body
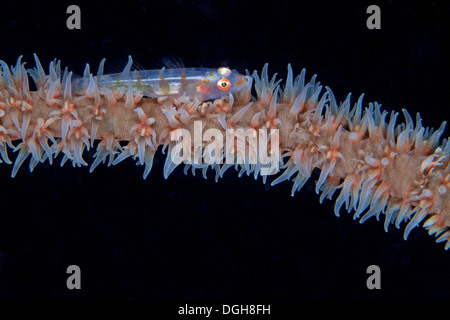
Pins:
x,y
201,83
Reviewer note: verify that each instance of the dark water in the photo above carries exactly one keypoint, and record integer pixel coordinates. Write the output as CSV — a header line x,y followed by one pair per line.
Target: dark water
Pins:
x,y
189,238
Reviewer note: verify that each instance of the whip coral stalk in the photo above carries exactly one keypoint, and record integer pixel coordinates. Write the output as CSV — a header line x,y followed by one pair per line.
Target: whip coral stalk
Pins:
x,y
377,167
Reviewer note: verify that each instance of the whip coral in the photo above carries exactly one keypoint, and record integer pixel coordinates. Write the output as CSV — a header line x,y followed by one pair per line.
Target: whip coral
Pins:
x,y
375,166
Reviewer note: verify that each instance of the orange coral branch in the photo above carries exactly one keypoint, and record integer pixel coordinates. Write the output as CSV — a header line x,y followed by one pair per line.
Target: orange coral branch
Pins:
x,y
379,167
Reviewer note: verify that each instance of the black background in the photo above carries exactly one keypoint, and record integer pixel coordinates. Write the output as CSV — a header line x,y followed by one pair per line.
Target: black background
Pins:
x,y
187,238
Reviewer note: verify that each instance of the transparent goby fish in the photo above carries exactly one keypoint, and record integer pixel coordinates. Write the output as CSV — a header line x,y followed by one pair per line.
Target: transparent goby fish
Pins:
x,y
200,83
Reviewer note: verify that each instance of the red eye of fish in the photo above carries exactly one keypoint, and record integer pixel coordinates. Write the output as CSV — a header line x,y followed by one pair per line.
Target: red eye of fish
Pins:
x,y
223,84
